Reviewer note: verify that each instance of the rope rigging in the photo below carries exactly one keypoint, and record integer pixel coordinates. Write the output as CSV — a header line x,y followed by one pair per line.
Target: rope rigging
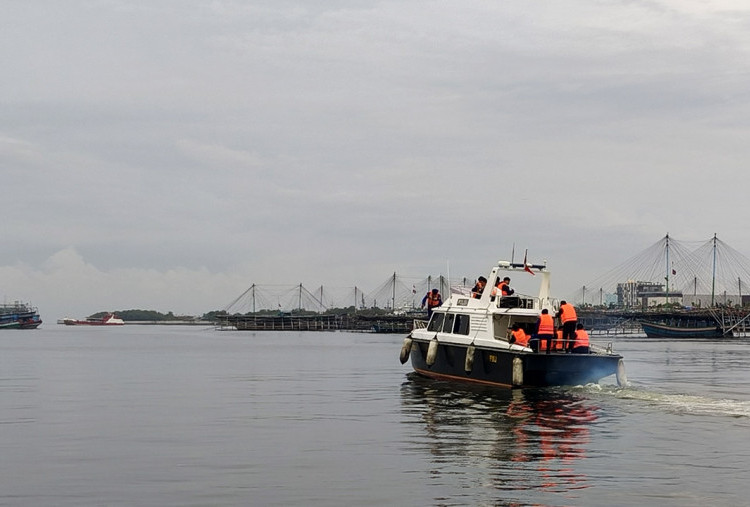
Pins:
x,y
709,268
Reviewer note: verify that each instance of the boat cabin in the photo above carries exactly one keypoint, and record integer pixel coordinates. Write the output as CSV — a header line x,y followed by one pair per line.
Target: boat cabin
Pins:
x,y
491,316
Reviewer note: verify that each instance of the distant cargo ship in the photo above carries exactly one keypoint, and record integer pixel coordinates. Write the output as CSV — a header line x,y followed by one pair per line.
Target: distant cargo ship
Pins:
x,y
109,319
19,315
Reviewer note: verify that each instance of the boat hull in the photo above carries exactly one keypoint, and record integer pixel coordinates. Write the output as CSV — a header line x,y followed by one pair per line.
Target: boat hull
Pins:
x,y
19,317
512,369
107,320
654,330
68,322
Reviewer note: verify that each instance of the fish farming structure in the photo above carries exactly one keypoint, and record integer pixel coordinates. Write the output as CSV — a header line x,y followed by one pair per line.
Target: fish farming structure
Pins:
x,y
671,282
345,322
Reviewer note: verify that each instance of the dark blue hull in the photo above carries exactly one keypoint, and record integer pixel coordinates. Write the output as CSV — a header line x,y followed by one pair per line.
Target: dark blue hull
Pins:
x,y
513,368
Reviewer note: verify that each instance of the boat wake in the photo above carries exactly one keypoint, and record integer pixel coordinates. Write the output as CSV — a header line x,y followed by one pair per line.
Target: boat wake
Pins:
x,y
673,402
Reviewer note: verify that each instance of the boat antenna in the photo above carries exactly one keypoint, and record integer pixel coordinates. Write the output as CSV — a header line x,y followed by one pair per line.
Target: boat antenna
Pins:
x,y
513,253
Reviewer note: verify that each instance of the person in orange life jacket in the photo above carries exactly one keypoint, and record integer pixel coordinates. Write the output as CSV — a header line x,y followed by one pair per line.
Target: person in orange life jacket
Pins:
x,y
519,336
569,319
544,332
433,300
503,287
476,292
581,345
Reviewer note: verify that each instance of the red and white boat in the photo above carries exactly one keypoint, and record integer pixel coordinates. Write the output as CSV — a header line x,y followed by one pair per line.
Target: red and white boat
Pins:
x,y
109,319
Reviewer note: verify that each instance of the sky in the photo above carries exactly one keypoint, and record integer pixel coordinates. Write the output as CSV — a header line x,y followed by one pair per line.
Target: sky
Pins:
x,y
167,155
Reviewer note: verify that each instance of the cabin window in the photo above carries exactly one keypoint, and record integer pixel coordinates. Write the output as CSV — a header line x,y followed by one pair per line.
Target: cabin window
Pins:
x,y
461,326
436,322
501,324
448,324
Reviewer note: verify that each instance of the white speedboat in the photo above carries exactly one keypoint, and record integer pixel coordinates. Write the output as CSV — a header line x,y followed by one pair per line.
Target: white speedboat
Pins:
x,y
467,340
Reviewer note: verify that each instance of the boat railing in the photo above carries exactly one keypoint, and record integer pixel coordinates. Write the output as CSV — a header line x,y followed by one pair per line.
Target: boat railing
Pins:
x,y
519,301
420,323
598,349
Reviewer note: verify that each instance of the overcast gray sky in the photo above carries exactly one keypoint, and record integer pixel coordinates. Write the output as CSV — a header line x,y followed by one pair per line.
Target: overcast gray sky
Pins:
x,y
168,154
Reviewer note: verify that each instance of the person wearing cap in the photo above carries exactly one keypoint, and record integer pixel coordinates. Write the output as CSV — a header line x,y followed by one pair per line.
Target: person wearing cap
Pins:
x,y
433,300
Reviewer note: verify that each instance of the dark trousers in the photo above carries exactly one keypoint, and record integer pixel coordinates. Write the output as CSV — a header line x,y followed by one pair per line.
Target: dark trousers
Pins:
x,y
581,350
537,339
569,334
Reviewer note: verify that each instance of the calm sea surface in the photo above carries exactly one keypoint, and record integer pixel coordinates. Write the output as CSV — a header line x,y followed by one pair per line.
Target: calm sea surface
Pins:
x,y
186,416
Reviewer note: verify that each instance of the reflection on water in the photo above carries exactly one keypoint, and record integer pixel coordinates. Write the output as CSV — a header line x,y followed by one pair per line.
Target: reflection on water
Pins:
x,y
523,439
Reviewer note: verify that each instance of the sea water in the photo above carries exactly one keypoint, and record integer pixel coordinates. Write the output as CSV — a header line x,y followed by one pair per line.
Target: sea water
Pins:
x,y
190,416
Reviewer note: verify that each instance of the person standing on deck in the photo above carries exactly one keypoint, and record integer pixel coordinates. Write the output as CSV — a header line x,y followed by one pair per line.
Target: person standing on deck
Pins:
x,y
544,333
433,300
581,345
569,319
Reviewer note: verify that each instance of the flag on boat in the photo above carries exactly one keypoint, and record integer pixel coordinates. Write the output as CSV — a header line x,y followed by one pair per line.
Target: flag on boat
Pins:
x,y
525,265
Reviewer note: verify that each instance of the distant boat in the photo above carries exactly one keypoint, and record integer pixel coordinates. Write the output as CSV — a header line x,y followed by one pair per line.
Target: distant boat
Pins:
x,y
109,319
19,315
655,330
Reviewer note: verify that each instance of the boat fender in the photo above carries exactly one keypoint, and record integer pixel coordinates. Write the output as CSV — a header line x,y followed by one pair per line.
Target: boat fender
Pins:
x,y
517,371
432,352
622,378
469,365
405,350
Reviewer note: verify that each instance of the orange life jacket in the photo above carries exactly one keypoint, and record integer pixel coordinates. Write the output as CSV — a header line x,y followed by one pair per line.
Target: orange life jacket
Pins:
x,y
433,300
521,337
568,313
546,324
582,339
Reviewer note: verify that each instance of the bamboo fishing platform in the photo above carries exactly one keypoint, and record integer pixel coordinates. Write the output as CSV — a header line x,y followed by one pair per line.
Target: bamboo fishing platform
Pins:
x,y
596,321
372,324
